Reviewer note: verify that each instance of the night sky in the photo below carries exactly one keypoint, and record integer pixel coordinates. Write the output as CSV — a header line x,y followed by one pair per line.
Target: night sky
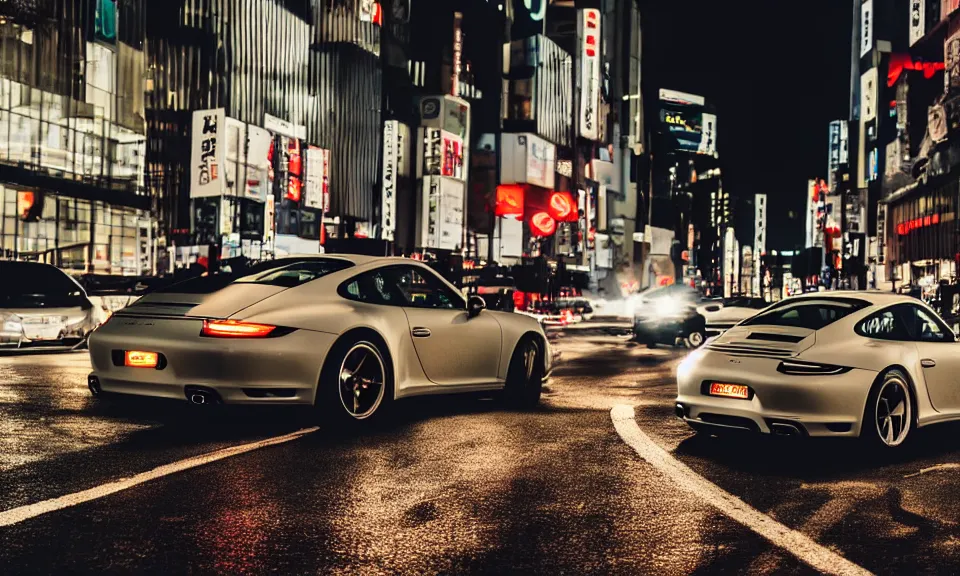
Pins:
x,y
777,74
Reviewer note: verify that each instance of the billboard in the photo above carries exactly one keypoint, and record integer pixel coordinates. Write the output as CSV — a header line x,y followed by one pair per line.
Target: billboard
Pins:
x,y
918,23
759,234
866,27
528,159
207,153
833,156
590,74
689,129
951,57
395,165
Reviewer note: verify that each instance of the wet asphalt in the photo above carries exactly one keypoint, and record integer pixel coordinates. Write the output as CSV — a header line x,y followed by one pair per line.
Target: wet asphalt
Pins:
x,y
450,485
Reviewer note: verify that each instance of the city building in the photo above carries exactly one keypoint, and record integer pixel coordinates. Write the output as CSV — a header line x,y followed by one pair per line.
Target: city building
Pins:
x,y
74,136
917,226
689,210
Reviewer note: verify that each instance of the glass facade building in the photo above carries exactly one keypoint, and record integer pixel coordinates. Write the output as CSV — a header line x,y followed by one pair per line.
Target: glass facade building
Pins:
x,y
73,134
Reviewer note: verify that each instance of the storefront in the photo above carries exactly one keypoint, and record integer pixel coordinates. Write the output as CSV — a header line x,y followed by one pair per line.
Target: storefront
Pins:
x,y
921,240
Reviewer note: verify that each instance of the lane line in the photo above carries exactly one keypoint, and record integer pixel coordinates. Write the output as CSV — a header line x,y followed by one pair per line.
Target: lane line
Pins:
x,y
934,468
685,479
21,513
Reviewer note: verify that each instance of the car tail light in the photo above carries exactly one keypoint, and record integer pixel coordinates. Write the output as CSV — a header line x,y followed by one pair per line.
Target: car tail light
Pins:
x,y
235,329
795,368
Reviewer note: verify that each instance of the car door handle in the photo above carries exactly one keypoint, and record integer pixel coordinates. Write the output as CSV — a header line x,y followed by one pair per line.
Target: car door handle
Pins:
x,y
420,332
927,363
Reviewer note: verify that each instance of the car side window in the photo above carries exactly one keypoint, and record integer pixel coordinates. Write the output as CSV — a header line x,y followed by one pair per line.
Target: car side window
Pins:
x,y
884,325
924,326
421,289
401,286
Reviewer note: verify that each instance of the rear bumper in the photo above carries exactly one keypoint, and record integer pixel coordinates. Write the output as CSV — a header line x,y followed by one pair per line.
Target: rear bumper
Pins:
x,y
283,370
814,405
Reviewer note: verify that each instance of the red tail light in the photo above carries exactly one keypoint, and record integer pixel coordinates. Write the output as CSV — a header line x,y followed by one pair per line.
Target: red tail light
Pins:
x,y
235,329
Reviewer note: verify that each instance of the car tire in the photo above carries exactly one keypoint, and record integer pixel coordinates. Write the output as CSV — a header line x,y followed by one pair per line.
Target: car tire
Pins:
x,y
889,415
695,339
356,384
525,375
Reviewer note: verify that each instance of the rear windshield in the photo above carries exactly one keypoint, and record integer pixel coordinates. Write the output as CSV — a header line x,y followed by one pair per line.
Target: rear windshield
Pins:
x,y
287,272
295,274
33,285
811,314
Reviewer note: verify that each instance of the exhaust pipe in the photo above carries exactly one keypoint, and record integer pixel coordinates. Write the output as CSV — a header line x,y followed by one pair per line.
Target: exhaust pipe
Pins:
x,y
93,383
781,429
200,396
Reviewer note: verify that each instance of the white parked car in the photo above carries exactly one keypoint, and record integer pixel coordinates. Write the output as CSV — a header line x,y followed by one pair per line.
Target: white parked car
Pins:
x,y
872,365
43,307
348,334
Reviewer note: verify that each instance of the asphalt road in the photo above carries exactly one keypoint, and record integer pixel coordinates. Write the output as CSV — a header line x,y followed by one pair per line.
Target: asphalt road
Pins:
x,y
452,485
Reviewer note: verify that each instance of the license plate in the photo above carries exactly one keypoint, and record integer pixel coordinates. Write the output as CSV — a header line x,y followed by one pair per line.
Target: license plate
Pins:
x,y
730,390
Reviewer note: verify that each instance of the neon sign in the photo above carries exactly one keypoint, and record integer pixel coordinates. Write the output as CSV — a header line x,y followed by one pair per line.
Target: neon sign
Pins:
x,y
904,228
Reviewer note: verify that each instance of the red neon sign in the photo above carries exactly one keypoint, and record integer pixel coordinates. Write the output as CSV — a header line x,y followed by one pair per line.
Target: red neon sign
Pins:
x,y
509,200
541,224
561,206
901,62
905,228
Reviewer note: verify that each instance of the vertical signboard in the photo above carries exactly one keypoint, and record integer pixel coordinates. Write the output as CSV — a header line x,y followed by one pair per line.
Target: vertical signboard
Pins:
x,y
951,57
866,27
811,237
759,236
868,113
590,74
844,142
918,23
206,154
388,202
313,196
833,156
881,233
457,53
708,140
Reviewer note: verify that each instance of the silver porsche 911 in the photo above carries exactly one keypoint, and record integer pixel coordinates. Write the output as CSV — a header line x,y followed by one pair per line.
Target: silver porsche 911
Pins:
x,y
872,365
346,333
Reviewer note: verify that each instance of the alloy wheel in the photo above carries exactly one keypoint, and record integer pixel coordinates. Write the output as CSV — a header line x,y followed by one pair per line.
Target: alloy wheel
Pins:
x,y
695,339
362,378
529,360
893,413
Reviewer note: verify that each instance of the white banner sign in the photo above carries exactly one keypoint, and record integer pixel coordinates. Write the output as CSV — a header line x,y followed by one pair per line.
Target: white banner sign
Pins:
x,y
918,20
844,142
868,95
590,74
317,178
866,27
708,140
284,128
207,153
528,159
388,202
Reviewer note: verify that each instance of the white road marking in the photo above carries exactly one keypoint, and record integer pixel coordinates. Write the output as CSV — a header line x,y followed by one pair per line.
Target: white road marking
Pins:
x,y
801,546
934,468
19,514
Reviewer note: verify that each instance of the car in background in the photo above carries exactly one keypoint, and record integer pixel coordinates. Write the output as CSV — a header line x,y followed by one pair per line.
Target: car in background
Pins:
x,y
873,365
721,315
668,315
43,307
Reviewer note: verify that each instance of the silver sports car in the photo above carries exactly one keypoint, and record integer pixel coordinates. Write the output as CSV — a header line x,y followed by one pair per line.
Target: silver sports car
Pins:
x,y
865,364
346,333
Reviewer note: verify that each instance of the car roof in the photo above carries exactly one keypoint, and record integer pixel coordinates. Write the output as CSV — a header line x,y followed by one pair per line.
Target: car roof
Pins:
x,y
356,259
874,297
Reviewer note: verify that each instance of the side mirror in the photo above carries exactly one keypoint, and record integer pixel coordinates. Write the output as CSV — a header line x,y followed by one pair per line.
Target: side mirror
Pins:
x,y
474,305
